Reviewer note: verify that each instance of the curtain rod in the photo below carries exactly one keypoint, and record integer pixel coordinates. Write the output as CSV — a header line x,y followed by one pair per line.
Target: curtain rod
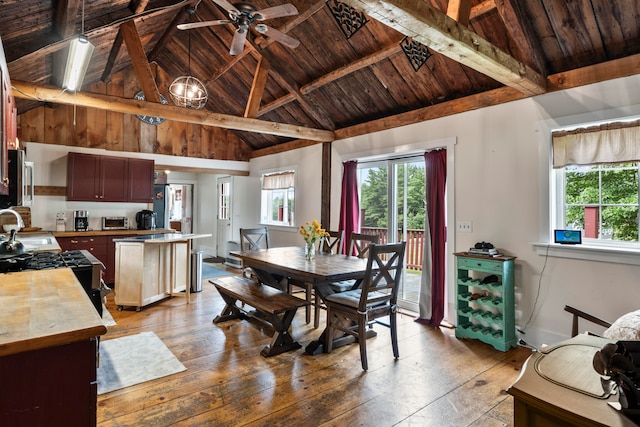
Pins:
x,y
387,159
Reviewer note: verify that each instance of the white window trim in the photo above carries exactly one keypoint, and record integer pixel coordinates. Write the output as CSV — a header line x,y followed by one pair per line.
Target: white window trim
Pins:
x,y
544,245
280,227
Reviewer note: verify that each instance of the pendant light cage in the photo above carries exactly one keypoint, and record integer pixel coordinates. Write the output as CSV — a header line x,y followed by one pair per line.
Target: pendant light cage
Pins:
x,y
187,91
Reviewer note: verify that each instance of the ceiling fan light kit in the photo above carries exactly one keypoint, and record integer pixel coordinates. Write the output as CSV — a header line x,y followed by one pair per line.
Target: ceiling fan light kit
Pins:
x,y
188,92
243,16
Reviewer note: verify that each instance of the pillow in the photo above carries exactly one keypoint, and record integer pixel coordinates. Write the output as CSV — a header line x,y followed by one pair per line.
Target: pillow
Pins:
x,y
626,328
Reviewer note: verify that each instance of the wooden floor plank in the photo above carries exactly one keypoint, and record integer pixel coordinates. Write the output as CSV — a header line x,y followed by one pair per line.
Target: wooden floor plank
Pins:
x,y
438,380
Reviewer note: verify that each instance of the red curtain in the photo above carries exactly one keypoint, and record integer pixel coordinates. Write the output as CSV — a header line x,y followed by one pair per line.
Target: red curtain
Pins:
x,y
435,178
349,203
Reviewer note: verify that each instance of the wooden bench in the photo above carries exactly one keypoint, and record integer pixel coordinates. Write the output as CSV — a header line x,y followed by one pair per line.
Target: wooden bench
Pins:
x,y
274,307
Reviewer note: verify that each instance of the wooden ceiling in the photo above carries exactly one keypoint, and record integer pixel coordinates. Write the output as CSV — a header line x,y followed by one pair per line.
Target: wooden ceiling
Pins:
x,y
331,86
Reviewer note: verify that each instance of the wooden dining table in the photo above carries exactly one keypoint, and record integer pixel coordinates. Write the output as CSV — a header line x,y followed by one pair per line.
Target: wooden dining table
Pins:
x,y
271,265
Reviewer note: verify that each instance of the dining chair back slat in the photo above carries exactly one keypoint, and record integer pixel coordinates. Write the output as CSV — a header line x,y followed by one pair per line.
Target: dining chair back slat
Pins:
x,y
252,239
359,244
332,244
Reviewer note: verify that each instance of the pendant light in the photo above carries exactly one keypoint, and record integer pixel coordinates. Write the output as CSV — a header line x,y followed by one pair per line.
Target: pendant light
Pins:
x,y
187,91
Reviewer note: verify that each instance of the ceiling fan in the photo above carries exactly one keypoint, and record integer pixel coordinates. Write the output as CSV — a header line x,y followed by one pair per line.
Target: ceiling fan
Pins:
x,y
244,15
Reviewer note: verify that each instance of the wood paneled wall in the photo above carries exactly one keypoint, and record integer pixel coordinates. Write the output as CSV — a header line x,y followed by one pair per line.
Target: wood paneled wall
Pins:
x,y
94,128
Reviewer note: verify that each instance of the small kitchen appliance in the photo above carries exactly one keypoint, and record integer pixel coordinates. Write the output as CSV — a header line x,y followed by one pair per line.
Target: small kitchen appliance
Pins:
x,y
115,223
146,220
80,220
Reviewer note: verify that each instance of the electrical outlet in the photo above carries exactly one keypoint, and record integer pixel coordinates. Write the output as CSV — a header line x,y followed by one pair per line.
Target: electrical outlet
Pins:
x,y
464,226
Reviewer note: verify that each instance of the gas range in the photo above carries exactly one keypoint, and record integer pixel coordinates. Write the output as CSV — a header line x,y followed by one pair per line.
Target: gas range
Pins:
x,y
86,267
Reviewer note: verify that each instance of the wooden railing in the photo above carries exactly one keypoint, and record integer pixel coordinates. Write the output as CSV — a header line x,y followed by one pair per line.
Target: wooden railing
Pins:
x,y
415,244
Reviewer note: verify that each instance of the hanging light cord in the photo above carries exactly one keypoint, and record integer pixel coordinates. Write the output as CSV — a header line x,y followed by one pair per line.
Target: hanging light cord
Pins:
x,y
82,21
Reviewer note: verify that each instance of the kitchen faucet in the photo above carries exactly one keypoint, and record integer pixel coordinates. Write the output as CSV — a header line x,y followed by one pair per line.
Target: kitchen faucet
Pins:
x,y
17,215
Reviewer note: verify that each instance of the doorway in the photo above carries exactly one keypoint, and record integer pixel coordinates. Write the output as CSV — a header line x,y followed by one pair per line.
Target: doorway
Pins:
x,y
393,205
223,226
181,207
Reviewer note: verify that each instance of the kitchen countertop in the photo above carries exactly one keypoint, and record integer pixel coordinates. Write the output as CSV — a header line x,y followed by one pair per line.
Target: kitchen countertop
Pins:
x,y
130,232
35,241
44,308
162,238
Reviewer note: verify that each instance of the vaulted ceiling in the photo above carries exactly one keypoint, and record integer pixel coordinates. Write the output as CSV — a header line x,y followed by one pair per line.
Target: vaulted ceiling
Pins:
x,y
358,66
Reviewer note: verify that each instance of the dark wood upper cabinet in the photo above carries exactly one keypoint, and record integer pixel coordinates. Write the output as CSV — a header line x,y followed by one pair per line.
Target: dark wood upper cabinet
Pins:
x,y
141,180
8,120
93,178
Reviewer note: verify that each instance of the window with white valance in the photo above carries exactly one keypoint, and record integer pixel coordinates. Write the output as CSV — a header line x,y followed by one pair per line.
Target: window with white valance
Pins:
x,y
604,144
277,205
595,180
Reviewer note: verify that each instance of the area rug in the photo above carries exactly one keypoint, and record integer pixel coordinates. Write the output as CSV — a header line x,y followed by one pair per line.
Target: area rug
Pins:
x,y
134,359
210,270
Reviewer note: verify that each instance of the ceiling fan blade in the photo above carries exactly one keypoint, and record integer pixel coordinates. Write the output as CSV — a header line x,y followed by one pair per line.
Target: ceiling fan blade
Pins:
x,y
227,6
202,24
278,36
237,45
275,12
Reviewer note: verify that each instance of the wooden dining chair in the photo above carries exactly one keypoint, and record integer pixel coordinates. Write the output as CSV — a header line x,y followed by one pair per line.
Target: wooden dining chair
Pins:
x,y
253,239
332,243
359,244
352,312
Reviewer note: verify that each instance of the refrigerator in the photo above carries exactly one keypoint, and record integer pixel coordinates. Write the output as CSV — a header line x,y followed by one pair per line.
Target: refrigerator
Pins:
x,y
161,204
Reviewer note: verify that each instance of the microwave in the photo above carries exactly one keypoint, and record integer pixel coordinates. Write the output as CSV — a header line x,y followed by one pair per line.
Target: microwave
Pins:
x,y
115,223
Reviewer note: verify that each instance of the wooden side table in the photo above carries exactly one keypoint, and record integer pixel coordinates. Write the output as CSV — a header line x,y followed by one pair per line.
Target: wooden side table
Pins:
x,y
545,393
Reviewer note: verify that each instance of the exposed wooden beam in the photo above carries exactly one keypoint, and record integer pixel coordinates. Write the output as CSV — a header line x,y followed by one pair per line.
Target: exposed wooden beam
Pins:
x,y
257,88
480,9
26,90
116,47
614,69
427,25
65,19
351,68
139,61
522,34
274,105
459,10
617,68
233,61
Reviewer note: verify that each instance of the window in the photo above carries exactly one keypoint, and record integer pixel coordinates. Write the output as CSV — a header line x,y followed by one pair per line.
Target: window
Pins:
x,y
596,183
277,205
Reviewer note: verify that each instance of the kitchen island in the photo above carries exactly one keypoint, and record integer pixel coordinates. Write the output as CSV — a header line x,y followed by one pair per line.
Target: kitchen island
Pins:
x,y
48,348
150,268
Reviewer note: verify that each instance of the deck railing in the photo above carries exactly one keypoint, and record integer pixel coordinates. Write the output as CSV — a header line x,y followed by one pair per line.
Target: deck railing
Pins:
x,y
415,244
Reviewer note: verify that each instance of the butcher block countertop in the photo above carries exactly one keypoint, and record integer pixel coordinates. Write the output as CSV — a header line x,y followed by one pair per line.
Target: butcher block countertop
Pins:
x,y
44,308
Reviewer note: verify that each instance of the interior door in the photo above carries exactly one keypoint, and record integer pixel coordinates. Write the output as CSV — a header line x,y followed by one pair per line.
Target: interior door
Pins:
x,y
223,234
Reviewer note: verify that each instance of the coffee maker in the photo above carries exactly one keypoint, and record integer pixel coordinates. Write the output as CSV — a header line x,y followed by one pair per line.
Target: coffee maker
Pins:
x,y
80,220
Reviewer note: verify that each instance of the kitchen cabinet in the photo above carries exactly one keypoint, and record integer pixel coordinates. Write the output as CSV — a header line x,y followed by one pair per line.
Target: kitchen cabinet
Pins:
x,y
92,178
147,273
8,122
140,180
485,299
48,349
151,268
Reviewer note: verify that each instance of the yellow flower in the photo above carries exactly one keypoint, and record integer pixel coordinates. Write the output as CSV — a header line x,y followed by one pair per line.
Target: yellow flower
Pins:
x,y
311,231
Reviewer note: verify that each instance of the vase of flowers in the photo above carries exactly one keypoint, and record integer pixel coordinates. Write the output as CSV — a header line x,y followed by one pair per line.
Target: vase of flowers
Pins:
x,y
311,232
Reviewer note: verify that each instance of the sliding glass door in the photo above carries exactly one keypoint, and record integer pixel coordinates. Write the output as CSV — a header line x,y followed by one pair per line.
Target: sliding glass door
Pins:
x,y
392,205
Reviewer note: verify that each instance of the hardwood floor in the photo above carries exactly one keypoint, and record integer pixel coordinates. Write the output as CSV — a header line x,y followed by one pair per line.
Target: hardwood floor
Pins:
x,y
438,380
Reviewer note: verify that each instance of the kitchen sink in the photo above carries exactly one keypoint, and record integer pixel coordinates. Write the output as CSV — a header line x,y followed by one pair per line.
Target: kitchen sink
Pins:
x,y
33,243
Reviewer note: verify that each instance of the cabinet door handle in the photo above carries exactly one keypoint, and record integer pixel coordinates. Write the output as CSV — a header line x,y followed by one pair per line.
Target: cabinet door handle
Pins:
x,y
74,241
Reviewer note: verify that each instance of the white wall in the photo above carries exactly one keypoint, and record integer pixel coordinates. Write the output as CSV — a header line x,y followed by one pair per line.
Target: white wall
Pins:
x,y
501,185
50,162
